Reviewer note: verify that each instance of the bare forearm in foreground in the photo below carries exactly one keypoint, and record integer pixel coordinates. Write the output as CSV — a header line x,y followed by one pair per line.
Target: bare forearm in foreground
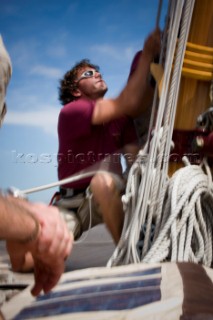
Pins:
x,y
36,232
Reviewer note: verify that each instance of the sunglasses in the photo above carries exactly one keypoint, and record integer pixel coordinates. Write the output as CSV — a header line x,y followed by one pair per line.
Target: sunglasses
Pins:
x,y
87,74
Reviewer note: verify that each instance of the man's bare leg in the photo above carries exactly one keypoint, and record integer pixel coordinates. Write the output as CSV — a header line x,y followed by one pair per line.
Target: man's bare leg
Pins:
x,y
107,196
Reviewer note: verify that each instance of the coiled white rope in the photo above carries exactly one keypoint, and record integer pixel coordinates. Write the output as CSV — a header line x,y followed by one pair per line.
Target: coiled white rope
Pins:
x,y
186,219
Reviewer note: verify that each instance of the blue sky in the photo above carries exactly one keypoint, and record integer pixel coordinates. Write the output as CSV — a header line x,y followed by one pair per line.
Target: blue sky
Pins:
x,y
44,39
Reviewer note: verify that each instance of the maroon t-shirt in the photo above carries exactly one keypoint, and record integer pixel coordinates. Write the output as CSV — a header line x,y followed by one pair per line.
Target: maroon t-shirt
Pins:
x,y
87,147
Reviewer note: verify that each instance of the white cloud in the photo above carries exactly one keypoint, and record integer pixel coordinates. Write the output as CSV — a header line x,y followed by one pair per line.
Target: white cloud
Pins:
x,y
23,52
49,72
116,53
45,118
57,50
26,57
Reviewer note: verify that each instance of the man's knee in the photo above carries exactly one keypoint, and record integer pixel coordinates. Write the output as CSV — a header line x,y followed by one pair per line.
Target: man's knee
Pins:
x,y
103,183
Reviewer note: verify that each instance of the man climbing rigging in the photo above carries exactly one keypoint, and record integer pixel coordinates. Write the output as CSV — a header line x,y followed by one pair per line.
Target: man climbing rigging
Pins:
x,y
92,131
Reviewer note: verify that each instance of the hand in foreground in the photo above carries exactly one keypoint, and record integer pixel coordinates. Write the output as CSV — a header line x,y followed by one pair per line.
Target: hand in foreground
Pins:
x,y
49,250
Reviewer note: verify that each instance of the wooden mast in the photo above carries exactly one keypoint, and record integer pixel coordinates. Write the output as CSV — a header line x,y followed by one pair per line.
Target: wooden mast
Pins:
x,y
194,92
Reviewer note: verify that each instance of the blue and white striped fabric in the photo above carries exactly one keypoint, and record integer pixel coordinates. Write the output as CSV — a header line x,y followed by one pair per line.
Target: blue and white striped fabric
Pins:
x,y
160,291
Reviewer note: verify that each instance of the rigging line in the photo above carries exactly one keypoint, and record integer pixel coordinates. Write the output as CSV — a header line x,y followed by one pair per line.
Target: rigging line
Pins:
x,y
61,182
173,95
142,206
159,192
159,13
152,121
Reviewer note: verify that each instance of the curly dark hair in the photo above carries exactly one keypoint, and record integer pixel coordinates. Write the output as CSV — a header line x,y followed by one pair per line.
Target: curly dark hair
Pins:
x,y
68,83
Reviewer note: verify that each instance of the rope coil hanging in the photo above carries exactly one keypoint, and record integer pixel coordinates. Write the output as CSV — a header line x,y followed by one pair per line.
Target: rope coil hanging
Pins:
x,y
186,217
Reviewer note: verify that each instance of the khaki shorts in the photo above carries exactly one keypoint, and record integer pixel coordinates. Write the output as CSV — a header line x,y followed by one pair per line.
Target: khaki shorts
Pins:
x,y
81,212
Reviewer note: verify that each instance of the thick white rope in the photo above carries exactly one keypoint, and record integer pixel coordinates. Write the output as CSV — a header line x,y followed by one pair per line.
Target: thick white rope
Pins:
x,y
193,226
170,111
187,193
137,215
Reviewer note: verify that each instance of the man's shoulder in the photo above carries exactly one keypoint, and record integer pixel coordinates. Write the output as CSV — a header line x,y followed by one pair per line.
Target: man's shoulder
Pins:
x,y
77,104
80,108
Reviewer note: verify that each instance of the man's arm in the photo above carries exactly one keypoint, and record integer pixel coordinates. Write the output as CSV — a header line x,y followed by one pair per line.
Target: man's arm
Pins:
x,y
137,95
38,231
17,223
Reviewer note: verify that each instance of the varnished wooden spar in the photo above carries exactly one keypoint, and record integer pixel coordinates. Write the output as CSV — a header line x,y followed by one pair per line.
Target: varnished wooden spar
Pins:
x,y
198,62
195,80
